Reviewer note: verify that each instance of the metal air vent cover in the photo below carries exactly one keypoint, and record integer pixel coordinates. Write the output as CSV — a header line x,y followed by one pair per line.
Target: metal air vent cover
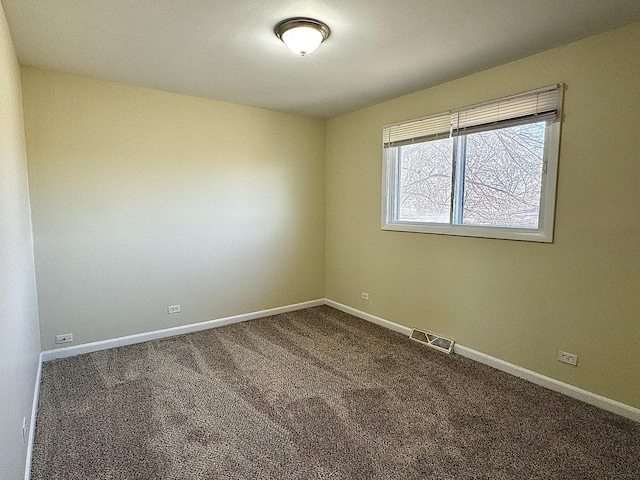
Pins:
x,y
432,340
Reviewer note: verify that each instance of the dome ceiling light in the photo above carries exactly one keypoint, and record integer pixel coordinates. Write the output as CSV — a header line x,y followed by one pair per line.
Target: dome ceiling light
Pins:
x,y
302,35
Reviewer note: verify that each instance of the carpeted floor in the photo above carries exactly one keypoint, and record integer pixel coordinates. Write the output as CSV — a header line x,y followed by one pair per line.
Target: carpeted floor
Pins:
x,y
313,394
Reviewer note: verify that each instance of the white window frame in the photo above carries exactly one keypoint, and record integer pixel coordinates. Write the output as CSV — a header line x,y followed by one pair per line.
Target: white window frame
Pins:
x,y
544,232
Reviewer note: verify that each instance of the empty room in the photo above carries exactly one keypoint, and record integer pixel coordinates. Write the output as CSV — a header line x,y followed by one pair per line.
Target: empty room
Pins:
x,y
319,239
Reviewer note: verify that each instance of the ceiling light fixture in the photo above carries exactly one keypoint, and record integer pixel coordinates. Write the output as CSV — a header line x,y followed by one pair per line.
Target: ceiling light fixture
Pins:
x,y
302,35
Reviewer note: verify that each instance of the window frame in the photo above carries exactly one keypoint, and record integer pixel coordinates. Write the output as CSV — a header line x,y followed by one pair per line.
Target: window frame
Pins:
x,y
544,232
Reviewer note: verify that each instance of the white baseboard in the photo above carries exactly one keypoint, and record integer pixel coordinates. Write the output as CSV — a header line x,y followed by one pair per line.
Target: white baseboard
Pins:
x,y
139,338
32,424
552,384
170,332
368,317
529,375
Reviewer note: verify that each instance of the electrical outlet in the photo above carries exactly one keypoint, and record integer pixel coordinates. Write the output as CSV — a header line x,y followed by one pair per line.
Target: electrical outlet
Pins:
x,y
64,338
173,309
365,296
569,358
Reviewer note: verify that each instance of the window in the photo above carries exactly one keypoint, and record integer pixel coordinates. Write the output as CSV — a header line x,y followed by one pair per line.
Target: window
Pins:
x,y
484,171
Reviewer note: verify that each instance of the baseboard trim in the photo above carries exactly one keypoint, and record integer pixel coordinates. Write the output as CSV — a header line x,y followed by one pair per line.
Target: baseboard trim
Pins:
x,y
32,422
578,393
171,332
551,383
368,317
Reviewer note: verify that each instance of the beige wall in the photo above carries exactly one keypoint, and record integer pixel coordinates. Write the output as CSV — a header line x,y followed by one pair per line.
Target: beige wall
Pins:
x,y
20,345
518,301
143,199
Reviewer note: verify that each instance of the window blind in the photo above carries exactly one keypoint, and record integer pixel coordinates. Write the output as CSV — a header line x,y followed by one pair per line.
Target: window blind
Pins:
x,y
416,131
537,106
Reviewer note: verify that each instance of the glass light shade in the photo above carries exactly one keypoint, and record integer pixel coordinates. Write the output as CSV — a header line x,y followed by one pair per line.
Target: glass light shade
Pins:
x,y
302,35
302,40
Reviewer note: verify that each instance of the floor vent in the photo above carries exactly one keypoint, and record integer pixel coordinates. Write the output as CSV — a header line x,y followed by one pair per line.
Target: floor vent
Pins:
x,y
432,340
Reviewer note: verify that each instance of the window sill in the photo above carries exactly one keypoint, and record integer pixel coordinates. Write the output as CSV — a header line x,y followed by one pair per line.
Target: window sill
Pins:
x,y
502,233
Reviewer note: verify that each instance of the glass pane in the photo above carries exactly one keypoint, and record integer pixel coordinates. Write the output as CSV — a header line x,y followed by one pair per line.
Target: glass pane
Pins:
x,y
503,176
424,192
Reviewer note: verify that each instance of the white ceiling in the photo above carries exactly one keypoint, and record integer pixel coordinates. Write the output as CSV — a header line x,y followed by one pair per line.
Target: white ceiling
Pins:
x,y
226,49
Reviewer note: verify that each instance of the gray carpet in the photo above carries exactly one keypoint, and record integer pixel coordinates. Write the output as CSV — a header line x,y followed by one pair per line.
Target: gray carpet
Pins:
x,y
313,394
